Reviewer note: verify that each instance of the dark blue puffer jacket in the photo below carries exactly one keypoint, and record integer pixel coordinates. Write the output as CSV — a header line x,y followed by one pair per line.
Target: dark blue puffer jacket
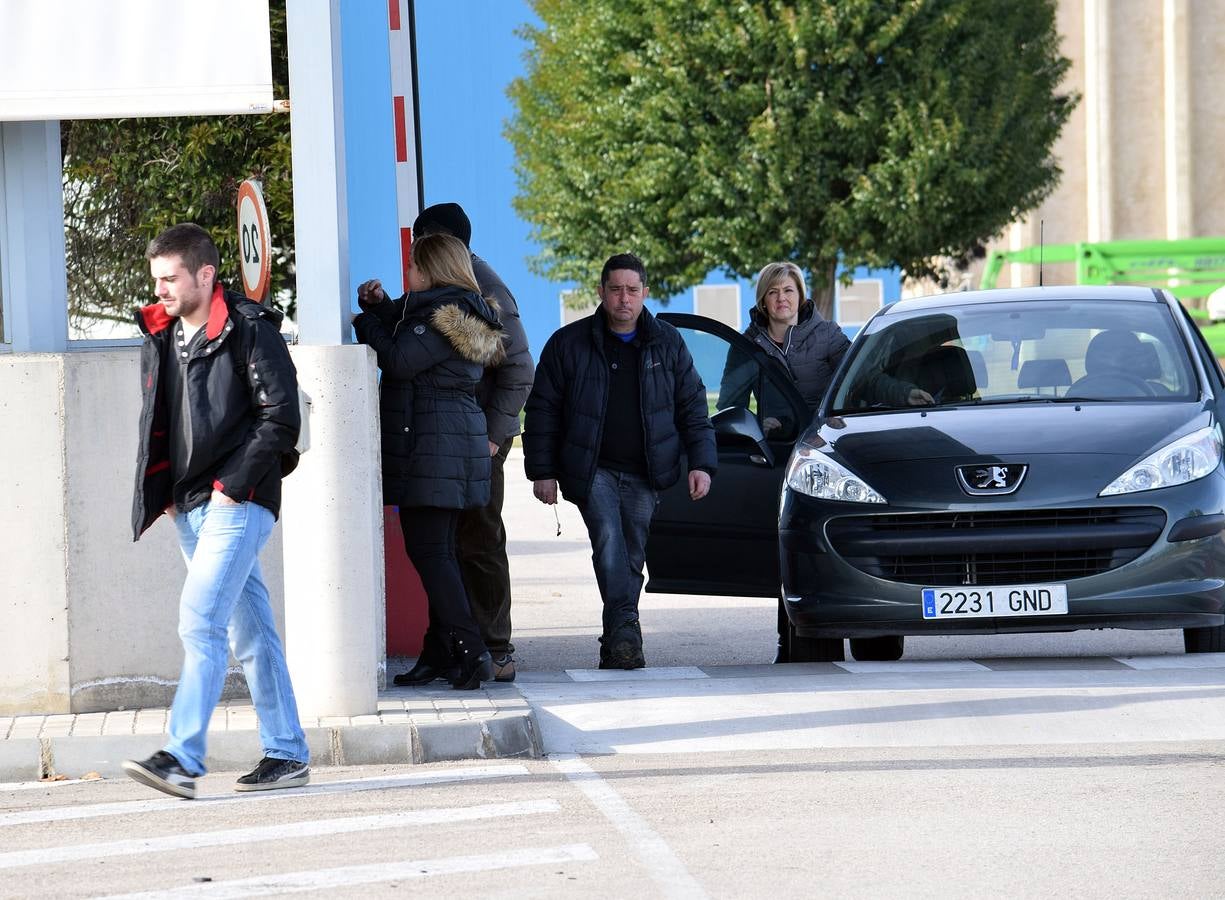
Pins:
x,y
564,423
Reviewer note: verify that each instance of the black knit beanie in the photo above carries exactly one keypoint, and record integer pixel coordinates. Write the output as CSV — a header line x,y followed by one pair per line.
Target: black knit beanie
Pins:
x,y
444,217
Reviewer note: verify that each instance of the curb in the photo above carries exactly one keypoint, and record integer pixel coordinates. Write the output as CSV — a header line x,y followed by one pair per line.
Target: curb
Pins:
x,y
510,735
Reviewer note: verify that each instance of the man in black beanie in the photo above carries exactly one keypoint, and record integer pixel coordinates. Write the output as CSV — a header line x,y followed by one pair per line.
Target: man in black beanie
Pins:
x,y
501,393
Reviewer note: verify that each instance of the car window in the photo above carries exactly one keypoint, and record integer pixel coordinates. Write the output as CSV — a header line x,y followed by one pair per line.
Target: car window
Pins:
x,y
1211,364
734,376
1016,351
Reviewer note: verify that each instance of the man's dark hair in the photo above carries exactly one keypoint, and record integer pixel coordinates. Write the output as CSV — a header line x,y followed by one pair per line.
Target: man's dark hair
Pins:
x,y
623,261
444,218
188,241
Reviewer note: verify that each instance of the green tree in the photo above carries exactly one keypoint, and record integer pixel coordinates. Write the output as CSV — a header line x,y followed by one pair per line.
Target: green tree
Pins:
x,y
704,135
127,179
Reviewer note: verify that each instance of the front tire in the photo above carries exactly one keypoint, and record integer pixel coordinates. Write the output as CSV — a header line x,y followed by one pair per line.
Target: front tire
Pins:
x,y
878,649
1204,640
796,649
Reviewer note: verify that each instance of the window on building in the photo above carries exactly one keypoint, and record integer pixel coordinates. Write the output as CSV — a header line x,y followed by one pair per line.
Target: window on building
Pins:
x,y
858,301
576,305
720,302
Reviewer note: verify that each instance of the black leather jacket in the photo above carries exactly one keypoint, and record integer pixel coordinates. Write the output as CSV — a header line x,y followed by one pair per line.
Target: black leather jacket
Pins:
x,y
241,394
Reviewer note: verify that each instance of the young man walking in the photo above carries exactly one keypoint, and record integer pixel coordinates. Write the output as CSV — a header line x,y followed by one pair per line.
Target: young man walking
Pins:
x,y
615,404
218,425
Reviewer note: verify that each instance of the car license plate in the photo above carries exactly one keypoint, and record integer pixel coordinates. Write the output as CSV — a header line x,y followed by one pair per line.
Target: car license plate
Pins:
x,y
995,601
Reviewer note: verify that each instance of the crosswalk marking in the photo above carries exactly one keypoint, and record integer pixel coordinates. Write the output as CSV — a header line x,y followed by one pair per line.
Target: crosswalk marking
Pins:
x,y
345,877
664,867
278,832
912,666
663,673
132,807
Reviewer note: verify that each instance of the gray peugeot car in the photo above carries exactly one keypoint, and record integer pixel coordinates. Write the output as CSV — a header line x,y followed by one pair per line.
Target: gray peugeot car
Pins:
x,y
1042,459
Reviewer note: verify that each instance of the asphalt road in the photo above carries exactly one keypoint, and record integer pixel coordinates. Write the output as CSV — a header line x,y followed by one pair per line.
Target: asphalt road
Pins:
x,y
1029,777
1110,821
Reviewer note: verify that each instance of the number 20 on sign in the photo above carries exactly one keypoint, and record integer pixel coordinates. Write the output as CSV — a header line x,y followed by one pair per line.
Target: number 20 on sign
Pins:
x,y
253,240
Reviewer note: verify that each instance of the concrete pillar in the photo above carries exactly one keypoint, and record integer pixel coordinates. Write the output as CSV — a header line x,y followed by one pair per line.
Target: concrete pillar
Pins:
x,y
332,519
333,509
321,234
1099,186
1177,83
36,288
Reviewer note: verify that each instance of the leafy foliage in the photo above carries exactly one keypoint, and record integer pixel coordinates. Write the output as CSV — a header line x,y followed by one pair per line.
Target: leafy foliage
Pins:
x,y
704,135
127,179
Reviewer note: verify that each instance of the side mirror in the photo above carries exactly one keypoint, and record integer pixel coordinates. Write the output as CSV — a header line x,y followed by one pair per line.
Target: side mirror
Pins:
x,y
736,425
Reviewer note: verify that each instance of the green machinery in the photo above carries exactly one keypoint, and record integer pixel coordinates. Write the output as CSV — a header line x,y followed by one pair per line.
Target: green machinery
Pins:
x,y
1190,269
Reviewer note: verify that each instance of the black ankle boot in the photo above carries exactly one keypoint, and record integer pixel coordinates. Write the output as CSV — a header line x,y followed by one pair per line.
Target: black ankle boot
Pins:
x,y
473,671
425,672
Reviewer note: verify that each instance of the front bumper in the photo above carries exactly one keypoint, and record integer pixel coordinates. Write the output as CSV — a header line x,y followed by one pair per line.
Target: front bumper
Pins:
x,y
1171,584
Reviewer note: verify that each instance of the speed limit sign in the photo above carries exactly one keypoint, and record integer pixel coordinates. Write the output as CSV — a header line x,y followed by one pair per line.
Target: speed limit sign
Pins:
x,y
253,240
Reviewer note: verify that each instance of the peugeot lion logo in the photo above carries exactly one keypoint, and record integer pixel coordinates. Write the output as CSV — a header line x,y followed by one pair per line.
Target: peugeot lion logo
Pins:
x,y
991,479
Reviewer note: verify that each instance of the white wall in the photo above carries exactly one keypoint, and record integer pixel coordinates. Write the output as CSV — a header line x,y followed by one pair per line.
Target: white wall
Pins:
x,y
34,670
89,618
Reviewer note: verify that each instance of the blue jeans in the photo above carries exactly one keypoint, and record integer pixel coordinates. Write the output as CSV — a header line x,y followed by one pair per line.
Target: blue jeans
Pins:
x,y
225,594
618,514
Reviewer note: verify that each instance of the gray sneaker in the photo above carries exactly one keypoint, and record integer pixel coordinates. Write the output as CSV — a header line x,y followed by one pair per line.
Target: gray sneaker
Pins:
x,y
163,772
274,774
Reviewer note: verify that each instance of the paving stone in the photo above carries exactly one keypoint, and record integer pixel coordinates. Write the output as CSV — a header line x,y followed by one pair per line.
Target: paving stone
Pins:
x,y
150,721
88,724
26,727
120,722
56,726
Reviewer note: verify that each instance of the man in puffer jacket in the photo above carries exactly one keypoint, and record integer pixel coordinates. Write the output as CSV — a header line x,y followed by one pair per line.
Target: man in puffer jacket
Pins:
x,y
217,431
615,407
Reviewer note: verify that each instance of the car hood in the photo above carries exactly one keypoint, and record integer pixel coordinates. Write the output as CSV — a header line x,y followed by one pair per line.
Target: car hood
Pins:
x,y
1072,450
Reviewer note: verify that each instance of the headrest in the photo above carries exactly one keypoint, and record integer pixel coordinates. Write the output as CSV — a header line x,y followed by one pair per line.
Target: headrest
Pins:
x,y
1112,351
1040,373
1147,364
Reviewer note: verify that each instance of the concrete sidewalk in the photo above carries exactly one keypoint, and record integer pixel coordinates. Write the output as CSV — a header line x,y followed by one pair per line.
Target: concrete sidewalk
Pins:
x,y
920,703
411,726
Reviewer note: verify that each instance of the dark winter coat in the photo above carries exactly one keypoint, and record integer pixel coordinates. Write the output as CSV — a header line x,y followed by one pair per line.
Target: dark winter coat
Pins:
x,y
504,387
564,424
241,401
812,349
433,347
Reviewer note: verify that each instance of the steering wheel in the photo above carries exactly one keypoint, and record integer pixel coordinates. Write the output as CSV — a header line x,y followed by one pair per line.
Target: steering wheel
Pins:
x,y
1111,384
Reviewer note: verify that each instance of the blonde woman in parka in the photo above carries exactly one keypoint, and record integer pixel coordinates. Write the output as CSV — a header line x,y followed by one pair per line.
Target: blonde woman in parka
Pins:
x,y
433,345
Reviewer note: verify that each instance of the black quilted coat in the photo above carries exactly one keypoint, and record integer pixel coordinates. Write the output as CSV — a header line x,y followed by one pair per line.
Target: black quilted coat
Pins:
x,y
564,424
433,347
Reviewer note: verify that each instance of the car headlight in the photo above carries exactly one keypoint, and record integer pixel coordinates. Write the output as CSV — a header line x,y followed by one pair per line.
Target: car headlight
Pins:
x,y
812,472
1186,459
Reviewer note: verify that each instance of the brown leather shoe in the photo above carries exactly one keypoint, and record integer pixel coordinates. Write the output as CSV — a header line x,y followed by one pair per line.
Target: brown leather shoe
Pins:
x,y
504,668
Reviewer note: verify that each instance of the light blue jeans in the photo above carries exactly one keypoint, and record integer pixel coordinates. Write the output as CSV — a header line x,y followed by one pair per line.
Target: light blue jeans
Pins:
x,y
225,594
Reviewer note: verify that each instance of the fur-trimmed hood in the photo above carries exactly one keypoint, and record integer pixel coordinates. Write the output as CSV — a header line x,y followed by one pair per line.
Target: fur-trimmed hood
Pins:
x,y
475,337
466,319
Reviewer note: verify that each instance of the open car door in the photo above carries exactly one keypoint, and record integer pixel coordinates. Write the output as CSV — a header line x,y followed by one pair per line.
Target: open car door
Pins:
x,y
727,542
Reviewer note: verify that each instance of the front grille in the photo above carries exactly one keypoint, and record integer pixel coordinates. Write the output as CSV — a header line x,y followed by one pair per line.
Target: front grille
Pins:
x,y
995,546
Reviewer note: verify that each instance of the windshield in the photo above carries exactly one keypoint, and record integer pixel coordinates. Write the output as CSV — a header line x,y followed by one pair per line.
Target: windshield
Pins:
x,y
1038,351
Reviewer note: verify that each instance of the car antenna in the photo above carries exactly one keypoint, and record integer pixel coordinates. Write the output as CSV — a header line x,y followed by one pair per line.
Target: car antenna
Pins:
x,y
1041,246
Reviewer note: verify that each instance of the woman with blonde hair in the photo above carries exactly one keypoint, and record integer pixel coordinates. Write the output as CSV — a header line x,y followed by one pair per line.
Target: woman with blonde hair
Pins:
x,y
786,324
433,345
